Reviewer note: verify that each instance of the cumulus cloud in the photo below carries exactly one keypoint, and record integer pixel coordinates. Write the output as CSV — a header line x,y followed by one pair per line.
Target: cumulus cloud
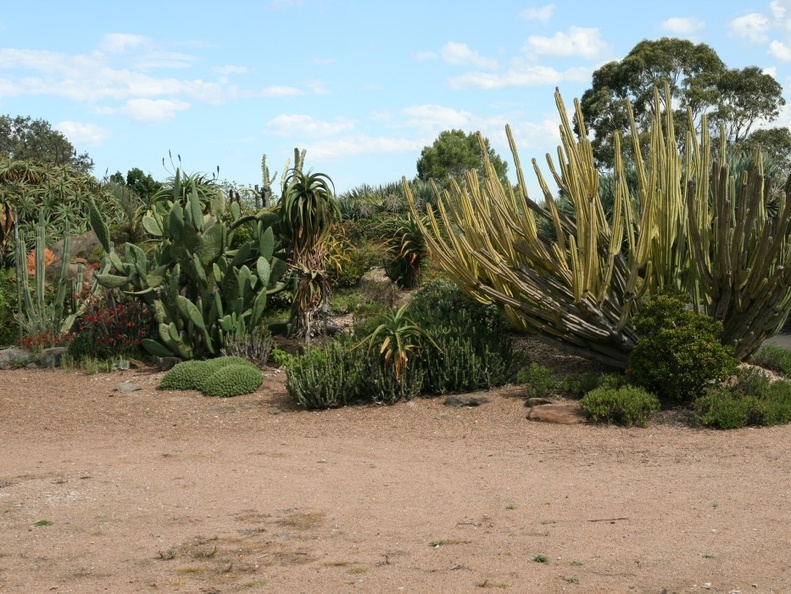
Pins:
x,y
780,50
300,124
541,14
82,134
682,26
460,54
435,116
753,27
148,111
361,144
120,42
521,74
280,91
578,42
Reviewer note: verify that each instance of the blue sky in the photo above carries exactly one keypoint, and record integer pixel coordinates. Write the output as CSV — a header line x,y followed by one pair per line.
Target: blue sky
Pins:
x,y
362,85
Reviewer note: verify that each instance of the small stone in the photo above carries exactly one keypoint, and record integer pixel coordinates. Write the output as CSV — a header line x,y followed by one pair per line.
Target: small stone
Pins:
x,y
127,387
538,401
460,401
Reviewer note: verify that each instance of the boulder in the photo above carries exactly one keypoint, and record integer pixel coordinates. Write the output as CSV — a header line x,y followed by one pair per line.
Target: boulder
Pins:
x,y
13,358
52,356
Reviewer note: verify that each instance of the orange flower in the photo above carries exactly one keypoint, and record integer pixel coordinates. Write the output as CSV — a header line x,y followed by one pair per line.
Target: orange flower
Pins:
x,y
49,258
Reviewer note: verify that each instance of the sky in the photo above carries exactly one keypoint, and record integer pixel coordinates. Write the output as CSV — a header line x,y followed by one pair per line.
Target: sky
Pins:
x,y
362,85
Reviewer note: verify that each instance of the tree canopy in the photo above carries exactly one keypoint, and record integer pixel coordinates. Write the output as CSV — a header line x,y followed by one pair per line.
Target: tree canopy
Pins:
x,y
453,153
26,139
698,80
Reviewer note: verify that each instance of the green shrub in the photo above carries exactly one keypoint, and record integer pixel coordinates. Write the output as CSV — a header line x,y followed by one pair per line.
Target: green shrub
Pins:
x,y
379,382
191,375
678,353
773,357
255,347
537,380
754,400
233,380
326,376
472,348
628,406
9,330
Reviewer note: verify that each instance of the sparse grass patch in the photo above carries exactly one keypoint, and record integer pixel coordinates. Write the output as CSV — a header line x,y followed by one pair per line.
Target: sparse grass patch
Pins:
x,y
541,559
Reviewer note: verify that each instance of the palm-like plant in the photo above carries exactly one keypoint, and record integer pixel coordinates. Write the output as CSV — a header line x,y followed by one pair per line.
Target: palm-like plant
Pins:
x,y
405,247
397,337
307,212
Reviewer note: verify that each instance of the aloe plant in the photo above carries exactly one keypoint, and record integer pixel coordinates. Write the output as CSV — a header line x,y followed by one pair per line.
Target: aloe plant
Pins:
x,y
307,212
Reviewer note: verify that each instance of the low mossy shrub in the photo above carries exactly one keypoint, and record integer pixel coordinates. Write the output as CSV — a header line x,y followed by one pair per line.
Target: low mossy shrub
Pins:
x,y
193,375
678,354
9,329
774,358
233,380
628,406
754,400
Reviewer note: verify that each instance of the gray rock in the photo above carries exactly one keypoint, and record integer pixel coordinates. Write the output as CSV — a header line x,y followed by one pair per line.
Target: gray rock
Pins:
x,y
460,401
538,401
127,387
13,358
52,356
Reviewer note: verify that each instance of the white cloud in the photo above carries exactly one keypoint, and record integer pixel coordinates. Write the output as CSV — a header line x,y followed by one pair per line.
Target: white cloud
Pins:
x,y
752,27
299,124
280,91
229,69
579,42
460,54
541,14
426,56
148,111
121,42
682,26
780,50
361,144
82,134
436,116
521,75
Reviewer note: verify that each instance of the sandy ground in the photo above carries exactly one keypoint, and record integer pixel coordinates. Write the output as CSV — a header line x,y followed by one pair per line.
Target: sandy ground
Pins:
x,y
155,491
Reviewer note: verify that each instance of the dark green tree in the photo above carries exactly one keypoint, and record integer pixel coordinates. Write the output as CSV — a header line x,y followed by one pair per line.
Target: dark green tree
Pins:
x,y
745,97
453,153
698,80
142,184
774,143
25,139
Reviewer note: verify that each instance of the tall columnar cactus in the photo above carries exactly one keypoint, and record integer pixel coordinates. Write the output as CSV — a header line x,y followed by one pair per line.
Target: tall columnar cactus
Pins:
x,y
199,288
578,289
742,251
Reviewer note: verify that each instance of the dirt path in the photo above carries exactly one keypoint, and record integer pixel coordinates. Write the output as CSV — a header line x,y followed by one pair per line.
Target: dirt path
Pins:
x,y
150,491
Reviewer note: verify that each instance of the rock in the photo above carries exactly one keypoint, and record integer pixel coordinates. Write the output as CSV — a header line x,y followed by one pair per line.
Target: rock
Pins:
x,y
167,363
538,401
52,356
127,387
563,413
13,358
460,401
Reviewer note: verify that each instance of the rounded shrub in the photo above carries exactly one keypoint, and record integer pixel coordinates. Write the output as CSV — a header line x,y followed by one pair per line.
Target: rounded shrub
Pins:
x,y
191,375
233,380
678,354
628,406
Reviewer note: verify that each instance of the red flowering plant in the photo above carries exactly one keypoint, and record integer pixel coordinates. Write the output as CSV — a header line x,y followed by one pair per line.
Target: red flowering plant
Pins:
x,y
111,325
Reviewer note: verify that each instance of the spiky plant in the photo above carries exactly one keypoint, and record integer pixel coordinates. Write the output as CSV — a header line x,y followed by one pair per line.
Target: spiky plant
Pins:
x,y
681,227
